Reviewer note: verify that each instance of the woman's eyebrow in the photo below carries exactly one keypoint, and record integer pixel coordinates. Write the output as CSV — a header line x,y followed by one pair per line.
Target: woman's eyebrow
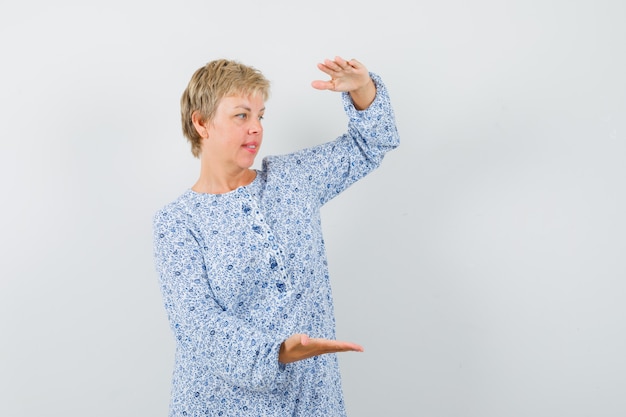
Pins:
x,y
241,106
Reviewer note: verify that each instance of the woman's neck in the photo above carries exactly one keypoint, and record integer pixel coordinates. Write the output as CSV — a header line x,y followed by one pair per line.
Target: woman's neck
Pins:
x,y
212,183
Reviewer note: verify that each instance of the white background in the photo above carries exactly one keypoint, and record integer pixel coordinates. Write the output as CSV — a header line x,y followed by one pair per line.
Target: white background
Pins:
x,y
482,266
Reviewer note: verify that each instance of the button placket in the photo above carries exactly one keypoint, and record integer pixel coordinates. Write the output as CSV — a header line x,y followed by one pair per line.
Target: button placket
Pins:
x,y
273,250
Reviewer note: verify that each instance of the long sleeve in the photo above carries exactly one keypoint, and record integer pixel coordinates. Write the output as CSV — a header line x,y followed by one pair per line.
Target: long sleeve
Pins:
x,y
330,168
242,271
209,338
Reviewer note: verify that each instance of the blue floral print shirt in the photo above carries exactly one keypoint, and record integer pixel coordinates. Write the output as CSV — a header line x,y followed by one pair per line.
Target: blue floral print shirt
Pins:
x,y
240,272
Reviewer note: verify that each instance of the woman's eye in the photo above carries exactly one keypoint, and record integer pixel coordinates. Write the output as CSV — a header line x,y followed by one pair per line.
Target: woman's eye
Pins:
x,y
242,115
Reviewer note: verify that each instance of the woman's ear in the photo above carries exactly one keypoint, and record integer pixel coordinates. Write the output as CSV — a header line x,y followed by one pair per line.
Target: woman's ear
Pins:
x,y
200,124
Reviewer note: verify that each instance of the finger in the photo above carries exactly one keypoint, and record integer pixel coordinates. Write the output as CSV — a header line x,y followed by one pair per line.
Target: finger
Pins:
x,y
342,63
304,339
355,64
331,72
333,65
340,349
330,346
348,346
323,85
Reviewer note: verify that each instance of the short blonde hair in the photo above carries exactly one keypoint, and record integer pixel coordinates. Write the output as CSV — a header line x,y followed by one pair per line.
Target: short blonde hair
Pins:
x,y
209,84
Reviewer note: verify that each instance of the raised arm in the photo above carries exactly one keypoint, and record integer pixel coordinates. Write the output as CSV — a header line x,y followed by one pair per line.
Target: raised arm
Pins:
x,y
328,169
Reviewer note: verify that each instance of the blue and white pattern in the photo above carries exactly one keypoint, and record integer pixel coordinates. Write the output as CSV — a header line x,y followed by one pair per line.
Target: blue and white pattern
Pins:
x,y
242,271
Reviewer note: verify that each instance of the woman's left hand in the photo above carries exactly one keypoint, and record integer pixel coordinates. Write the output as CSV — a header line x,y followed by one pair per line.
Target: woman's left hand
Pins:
x,y
348,76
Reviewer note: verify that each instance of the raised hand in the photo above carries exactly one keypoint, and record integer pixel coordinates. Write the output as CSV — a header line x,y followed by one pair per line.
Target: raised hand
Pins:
x,y
348,76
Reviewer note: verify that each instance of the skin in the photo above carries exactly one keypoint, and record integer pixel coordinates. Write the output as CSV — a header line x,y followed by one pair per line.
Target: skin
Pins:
x,y
230,143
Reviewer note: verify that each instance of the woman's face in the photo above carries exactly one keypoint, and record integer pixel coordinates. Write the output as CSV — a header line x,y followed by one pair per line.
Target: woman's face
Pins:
x,y
235,133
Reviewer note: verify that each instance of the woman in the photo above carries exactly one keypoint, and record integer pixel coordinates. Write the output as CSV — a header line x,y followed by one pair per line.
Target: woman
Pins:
x,y
241,256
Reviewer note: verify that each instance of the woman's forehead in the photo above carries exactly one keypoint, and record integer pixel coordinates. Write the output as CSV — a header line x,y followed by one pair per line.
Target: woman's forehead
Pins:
x,y
251,102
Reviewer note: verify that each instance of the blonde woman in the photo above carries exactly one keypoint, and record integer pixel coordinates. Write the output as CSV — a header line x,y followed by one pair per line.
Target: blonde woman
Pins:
x,y
241,257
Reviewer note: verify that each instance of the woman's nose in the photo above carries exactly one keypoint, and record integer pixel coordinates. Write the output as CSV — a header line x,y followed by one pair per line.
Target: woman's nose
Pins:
x,y
255,127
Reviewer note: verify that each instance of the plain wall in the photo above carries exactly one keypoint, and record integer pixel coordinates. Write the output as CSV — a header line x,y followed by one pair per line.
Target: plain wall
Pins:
x,y
482,266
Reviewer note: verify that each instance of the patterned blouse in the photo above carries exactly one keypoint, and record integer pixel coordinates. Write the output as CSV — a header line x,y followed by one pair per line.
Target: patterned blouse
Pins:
x,y
240,272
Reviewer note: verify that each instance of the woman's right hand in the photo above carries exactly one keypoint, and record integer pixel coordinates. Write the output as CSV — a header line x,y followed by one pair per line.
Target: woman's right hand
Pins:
x,y
300,346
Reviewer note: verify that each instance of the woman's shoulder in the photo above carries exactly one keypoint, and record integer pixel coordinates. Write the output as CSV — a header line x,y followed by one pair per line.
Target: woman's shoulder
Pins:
x,y
176,211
